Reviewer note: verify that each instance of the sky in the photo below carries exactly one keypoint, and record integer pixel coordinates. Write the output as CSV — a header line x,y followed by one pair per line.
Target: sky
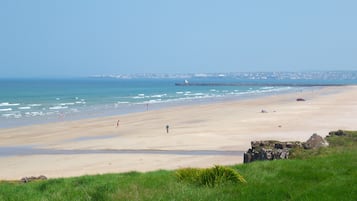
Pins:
x,y
44,38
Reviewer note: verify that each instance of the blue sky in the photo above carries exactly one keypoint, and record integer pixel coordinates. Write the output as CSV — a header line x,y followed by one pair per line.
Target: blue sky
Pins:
x,y
86,37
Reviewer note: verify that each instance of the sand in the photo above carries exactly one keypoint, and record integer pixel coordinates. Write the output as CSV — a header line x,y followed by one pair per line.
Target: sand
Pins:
x,y
199,135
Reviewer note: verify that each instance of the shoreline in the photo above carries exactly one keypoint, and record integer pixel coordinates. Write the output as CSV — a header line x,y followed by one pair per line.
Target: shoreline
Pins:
x,y
219,127
106,110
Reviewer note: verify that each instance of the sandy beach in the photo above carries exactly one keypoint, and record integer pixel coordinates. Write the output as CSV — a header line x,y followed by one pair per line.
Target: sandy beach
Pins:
x,y
199,135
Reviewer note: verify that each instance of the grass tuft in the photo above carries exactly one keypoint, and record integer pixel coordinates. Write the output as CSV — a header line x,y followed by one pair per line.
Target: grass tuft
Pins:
x,y
215,176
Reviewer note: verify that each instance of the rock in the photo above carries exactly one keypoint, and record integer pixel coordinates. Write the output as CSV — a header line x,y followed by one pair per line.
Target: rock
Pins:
x,y
267,154
275,150
278,146
338,133
42,177
269,150
284,154
247,158
300,99
315,141
32,178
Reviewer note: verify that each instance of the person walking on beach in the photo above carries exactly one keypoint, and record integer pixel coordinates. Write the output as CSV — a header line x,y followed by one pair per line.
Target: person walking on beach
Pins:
x,y
167,128
118,123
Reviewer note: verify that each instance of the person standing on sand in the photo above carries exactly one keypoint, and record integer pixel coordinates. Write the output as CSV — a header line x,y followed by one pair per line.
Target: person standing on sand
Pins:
x,y
167,128
118,123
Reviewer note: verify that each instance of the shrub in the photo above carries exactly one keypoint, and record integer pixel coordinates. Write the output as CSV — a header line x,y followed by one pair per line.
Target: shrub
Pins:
x,y
215,176
189,175
342,138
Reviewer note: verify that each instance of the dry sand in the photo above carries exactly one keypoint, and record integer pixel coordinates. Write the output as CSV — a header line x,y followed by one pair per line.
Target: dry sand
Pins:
x,y
98,146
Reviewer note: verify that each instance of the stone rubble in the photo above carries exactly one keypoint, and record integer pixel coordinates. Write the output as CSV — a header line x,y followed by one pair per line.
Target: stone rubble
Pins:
x,y
275,150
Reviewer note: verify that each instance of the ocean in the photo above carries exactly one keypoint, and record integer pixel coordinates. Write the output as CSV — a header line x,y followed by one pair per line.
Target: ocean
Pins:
x,y
35,101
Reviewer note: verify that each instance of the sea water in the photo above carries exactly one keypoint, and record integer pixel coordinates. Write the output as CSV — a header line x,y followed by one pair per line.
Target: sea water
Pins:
x,y
34,101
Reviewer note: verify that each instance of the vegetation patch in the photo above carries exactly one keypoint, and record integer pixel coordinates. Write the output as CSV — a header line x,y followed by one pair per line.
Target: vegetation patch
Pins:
x,y
339,142
215,176
342,138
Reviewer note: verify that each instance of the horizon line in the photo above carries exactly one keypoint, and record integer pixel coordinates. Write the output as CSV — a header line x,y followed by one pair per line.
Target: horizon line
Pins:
x,y
115,75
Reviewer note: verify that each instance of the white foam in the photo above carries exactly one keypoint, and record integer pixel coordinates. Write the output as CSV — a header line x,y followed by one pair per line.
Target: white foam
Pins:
x,y
5,109
58,107
122,102
64,104
198,94
4,104
154,101
188,93
201,75
14,115
273,89
267,88
138,97
7,115
24,108
195,94
158,96
33,114
34,105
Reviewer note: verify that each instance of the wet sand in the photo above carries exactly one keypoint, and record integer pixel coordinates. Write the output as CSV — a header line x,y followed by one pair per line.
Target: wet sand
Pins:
x,y
199,135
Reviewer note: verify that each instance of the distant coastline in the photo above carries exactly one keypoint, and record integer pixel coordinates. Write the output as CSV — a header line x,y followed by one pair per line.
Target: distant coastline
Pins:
x,y
257,84
279,75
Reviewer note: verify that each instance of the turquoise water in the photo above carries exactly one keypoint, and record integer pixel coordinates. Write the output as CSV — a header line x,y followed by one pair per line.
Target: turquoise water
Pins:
x,y
31,101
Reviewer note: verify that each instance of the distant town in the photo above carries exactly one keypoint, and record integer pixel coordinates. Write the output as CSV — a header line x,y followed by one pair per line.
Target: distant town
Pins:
x,y
320,75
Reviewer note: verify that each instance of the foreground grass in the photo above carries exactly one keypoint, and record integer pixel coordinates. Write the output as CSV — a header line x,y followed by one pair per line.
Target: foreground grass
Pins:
x,y
324,174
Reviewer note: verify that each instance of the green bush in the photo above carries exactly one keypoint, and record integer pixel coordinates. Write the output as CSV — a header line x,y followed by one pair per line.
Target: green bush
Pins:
x,y
342,138
189,175
215,176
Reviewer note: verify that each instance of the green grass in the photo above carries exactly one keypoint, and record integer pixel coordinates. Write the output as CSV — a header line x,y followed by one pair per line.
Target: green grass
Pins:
x,y
210,177
322,174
